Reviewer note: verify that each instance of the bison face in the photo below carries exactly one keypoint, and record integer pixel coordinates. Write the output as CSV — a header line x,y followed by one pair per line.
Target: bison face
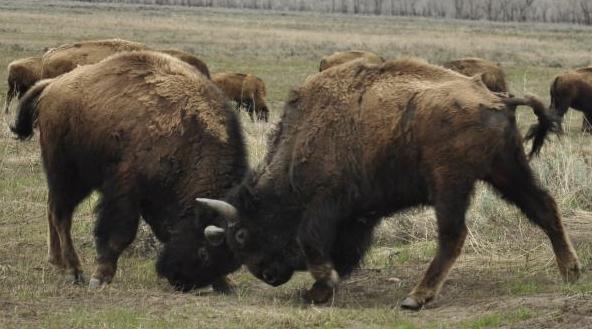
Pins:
x,y
270,253
188,261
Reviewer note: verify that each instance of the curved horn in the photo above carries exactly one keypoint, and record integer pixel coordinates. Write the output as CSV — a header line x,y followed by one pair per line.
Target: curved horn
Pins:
x,y
214,235
225,209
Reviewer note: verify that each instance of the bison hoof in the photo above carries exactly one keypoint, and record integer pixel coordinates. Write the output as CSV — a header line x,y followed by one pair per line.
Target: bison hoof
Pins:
x,y
572,273
410,303
224,286
76,277
96,283
320,293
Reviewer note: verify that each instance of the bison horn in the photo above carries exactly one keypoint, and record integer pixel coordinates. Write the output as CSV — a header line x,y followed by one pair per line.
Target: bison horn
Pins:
x,y
225,209
214,235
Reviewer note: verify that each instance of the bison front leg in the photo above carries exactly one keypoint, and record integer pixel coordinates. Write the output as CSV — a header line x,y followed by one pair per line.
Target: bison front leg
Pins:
x,y
316,236
451,205
115,229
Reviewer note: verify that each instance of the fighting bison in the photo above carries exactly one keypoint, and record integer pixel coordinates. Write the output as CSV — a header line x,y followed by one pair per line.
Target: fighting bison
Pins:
x,y
246,90
149,133
21,75
341,57
574,89
492,74
360,142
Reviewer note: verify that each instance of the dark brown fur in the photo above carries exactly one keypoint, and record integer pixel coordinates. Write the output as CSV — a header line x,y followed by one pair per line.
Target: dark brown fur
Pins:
x,y
492,74
21,75
246,90
150,134
341,57
359,142
574,89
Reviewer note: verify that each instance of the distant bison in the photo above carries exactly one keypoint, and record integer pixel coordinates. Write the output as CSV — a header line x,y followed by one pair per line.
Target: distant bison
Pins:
x,y
492,74
21,75
360,142
246,90
149,133
341,57
574,89
189,59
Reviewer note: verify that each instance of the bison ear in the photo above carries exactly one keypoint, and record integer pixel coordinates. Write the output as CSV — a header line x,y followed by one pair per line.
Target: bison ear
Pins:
x,y
214,235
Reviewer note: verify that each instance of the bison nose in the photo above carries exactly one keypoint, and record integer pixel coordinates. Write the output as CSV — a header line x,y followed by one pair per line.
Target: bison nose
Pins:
x,y
270,276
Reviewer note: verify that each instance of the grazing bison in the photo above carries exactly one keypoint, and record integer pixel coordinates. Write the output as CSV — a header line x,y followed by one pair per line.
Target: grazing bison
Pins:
x,y
341,57
574,89
65,58
21,75
246,90
189,59
492,74
149,133
360,142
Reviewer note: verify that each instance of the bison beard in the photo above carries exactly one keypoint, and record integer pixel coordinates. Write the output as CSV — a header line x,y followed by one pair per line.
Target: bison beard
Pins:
x,y
359,142
150,134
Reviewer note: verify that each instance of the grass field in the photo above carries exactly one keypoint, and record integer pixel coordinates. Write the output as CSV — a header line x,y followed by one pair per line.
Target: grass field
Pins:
x,y
506,277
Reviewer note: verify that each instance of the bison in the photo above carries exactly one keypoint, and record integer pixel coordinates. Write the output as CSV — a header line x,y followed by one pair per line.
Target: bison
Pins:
x,y
149,133
57,61
492,74
341,57
21,75
246,90
189,59
573,89
360,142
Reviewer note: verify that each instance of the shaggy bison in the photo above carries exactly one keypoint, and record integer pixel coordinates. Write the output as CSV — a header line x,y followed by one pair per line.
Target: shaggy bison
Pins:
x,y
492,74
21,75
574,89
149,133
360,142
341,57
246,90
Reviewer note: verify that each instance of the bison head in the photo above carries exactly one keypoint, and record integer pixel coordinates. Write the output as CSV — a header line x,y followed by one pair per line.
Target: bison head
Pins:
x,y
188,261
258,238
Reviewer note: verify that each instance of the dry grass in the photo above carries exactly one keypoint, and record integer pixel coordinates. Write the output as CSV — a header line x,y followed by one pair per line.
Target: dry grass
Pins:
x,y
506,276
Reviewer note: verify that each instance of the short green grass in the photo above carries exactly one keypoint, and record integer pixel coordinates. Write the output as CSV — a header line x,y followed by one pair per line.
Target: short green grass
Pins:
x,y
506,261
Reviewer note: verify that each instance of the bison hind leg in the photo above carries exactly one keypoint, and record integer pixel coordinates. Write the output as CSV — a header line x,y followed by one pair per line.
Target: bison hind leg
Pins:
x,y
514,180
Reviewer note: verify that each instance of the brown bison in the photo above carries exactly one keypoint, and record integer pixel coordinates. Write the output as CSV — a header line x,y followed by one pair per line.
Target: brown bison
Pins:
x,y
360,142
21,75
574,89
189,59
149,134
246,90
492,74
67,57
341,57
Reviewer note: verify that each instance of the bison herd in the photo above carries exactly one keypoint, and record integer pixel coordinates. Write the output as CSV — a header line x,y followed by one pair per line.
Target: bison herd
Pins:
x,y
364,138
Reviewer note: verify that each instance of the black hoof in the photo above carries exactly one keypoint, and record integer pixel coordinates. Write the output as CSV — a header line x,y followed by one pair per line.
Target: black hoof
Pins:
x,y
410,303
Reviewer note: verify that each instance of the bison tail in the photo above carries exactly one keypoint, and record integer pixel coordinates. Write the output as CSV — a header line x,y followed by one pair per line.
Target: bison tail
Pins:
x,y
10,94
27,111
547,122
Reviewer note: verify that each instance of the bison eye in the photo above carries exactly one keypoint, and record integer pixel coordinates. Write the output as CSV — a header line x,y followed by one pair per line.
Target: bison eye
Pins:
x,y
203,254
241,236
